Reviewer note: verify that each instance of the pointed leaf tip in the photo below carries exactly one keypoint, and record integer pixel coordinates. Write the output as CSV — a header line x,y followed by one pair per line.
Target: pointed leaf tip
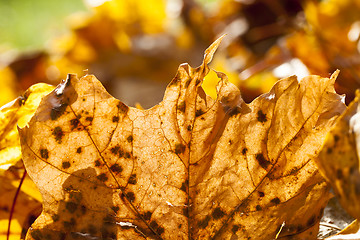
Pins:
x,y
209,52
335,74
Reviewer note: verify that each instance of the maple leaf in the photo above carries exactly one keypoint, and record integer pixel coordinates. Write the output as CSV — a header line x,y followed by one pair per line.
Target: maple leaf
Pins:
x,y
338,160
190,167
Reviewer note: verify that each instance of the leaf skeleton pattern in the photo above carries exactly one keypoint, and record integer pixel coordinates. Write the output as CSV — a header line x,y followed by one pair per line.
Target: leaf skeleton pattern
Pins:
x,y
191,167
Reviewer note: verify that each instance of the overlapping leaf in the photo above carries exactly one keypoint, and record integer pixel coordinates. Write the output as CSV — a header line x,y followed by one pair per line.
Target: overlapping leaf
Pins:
x,y
189,168
27,206
339,158
17,113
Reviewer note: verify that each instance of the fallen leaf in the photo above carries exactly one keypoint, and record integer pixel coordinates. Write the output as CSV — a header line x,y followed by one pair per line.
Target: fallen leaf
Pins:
x,y
339,158
18,112
191,167
27,206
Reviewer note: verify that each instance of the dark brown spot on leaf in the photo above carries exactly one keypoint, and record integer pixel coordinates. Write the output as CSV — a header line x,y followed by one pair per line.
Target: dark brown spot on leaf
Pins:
x,y
217,213
261,117
97,163
130,196
115,150
56,112
78,150
261,194
244,151
66,164
199,112
58,133
55,217
183,187
132,179
89,119
102,177
189,128
115,119
147,215
235,228
130,138
262,161
71,206
275,200
258,208
154,224
182,106
204,223
115,208
74,123
235,111
44,153
116,168
179,148
160,230
122,108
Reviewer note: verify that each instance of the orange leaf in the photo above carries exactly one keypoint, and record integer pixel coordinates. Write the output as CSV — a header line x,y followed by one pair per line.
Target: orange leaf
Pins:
x,y
189,168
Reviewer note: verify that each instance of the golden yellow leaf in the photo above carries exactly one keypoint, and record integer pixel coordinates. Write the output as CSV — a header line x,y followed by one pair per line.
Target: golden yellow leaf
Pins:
x,y
189,168
27,206
338,160
18,113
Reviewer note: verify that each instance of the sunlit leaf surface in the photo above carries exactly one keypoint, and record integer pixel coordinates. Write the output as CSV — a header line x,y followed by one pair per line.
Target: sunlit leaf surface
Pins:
x,y
190,167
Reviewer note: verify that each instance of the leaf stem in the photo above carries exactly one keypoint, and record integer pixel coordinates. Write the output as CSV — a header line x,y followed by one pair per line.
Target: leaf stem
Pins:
x,y
13,204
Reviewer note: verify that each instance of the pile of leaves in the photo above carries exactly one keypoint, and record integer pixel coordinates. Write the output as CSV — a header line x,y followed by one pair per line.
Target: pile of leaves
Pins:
x,y
205,162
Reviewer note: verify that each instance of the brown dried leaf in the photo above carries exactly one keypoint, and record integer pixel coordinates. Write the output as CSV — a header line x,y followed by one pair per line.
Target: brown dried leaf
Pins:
x,y
189,168
339,158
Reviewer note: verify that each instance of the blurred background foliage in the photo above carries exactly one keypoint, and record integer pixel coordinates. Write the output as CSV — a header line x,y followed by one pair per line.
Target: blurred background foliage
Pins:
x,y
135,46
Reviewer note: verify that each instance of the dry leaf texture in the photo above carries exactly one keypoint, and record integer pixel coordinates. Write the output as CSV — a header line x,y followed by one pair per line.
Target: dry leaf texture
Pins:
x,y
188,168
339,158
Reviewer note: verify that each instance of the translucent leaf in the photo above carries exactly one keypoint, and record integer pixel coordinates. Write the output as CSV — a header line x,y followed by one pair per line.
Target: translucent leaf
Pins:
x,y
17,113
27,205
189,168
339,158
